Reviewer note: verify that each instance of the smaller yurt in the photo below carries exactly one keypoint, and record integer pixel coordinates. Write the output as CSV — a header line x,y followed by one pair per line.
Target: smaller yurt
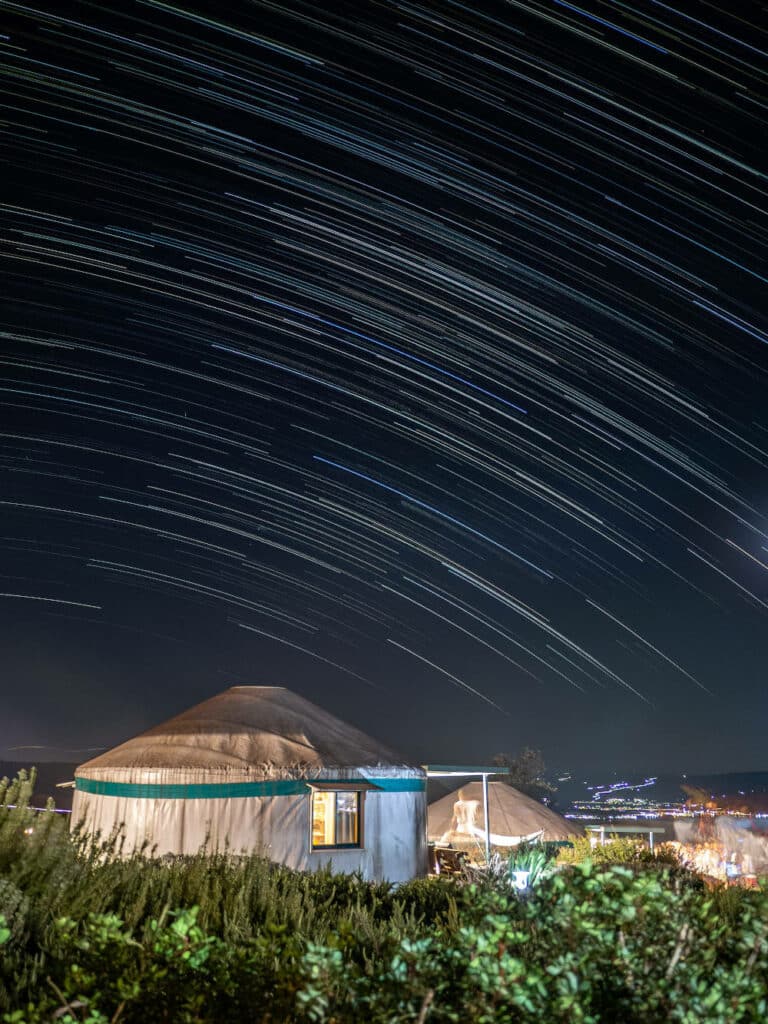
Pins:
x,y
458,818
259,769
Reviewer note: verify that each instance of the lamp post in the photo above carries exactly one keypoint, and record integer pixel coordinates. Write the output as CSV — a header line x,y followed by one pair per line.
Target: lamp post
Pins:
x,y
487,820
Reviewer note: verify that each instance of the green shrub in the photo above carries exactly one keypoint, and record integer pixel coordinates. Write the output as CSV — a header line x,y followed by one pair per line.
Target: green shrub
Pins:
x,y
618,850
536,859
430,900
210,939
591,944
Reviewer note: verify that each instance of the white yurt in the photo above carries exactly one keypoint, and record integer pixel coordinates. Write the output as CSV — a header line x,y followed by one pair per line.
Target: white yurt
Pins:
x,y
458,818
259,769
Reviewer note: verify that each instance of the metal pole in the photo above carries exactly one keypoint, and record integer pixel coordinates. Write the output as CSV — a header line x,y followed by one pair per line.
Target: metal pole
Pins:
x,y
487,822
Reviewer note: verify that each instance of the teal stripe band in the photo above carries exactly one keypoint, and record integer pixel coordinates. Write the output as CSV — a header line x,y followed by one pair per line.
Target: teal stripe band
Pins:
x,y
224,790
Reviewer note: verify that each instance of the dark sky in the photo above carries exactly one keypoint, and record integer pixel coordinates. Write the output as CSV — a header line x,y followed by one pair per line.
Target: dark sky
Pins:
x,y
409,355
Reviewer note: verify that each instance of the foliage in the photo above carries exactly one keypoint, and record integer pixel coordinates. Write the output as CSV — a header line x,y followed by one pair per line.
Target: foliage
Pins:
x,y
92,939
619,850
526,772
534,858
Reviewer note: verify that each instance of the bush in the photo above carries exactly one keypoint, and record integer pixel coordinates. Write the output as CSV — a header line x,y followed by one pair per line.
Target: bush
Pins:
x,y
619,850
211,939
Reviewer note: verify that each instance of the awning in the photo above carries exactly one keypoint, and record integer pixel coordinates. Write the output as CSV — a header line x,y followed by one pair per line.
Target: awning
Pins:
x,y
438,771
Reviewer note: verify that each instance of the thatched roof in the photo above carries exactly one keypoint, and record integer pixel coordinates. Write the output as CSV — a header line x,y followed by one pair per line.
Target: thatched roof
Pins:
x,y
260,730
511,813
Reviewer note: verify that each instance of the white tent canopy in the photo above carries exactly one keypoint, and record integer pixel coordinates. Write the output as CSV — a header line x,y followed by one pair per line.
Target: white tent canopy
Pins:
x,y
259,768
513,817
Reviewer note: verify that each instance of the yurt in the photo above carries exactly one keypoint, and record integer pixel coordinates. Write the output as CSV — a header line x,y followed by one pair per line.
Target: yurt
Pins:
x,y
458,818
259,769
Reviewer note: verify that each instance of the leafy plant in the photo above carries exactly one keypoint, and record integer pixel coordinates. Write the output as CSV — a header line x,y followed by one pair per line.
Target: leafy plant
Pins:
x,y
532,858
90,938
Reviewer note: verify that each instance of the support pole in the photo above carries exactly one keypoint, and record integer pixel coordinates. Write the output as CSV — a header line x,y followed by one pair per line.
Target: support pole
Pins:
x,y
487,822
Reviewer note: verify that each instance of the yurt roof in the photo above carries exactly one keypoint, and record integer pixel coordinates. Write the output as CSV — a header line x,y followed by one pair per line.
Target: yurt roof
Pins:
x,y
511,813
252,729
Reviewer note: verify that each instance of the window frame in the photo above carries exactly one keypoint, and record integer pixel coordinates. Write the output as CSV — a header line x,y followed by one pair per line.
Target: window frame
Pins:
x,y
359,792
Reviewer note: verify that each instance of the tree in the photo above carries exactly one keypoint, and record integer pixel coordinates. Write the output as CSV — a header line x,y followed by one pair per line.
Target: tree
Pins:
x,y
526,773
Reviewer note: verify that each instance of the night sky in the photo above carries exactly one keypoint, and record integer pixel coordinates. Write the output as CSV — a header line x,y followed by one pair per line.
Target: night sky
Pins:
x,y
412,356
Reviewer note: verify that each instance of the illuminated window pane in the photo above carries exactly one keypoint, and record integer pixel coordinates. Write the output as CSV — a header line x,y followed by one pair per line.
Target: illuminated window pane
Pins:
x,y
335,818
323,814
346,818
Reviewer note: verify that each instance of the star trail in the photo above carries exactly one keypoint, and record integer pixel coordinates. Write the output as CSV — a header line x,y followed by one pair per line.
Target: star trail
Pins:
x,y
410,355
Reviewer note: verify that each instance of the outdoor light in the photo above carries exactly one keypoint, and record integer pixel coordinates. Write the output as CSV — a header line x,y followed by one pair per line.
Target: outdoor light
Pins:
x,y
520,879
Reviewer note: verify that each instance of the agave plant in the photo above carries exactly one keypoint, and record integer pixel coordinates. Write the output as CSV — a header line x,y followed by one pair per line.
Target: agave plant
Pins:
x,y
527,864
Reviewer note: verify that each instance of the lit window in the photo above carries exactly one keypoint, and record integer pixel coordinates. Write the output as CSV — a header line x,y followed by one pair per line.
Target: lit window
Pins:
x,y
335,818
